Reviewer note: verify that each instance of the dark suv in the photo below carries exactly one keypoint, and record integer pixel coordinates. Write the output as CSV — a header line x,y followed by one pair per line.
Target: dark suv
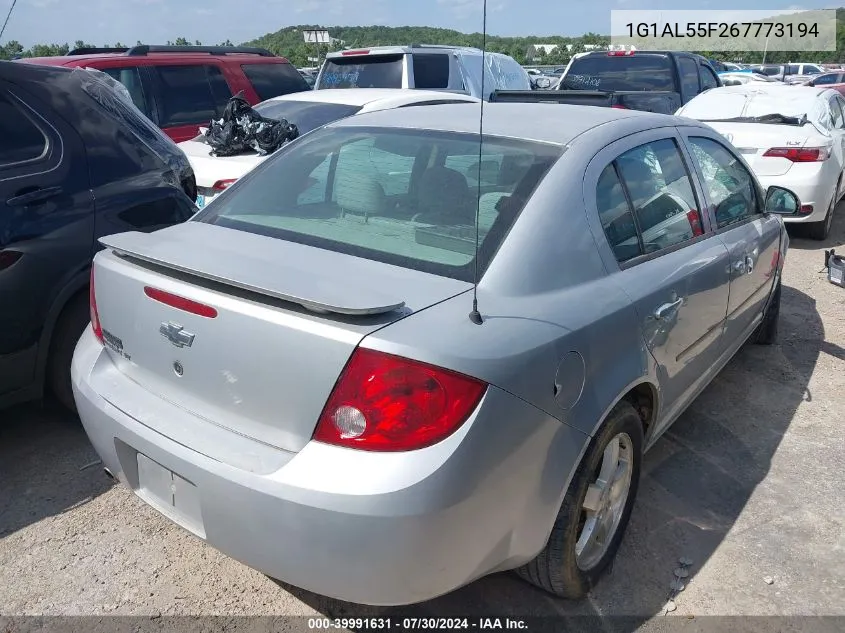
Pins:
x,y
181,88
77,162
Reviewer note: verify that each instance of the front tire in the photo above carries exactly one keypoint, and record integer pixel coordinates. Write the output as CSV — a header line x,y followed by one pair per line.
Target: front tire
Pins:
x,y
595,510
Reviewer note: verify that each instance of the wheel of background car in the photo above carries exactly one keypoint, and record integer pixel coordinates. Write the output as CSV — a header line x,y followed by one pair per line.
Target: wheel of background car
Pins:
x,y
820,230
72,322
595,510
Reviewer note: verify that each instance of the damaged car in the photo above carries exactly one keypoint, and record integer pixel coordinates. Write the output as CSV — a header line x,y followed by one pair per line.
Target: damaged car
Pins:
x,y
78,161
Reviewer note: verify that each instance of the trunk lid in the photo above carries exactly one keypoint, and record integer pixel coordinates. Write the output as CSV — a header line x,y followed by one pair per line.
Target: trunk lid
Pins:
x,y
753,140
210,169
264,365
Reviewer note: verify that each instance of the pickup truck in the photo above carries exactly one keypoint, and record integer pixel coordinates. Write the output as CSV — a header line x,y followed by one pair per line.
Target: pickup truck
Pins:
x,y
654,81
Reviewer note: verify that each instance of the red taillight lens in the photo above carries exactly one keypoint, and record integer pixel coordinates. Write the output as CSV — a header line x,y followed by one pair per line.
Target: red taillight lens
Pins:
x,y
357,52
180,303
800,154
222,185
387,403
619,53
694,218
7,258
92,304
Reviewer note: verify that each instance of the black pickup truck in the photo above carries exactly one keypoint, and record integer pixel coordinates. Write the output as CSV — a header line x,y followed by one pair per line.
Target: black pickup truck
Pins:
x,y
654,81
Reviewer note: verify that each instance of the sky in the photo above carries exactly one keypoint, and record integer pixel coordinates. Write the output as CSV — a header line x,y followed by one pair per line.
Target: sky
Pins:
x,y
213,21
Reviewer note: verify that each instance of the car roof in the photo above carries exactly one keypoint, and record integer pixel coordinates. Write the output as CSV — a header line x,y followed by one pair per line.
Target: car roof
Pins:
x,y
405,49
365,96
544,122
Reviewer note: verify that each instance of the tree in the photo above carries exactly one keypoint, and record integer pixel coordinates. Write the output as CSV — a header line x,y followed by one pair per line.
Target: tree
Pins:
x,y
181,41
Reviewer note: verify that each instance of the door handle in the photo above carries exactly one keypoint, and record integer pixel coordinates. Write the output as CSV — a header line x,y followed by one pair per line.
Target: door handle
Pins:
x,y
39,195
663,311
749,264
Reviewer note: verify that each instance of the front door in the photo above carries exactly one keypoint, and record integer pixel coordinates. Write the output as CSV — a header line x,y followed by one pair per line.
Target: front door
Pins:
x,y
751,237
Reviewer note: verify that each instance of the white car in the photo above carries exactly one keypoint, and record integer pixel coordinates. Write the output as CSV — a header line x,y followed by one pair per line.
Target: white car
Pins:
x,y
308,111
791,136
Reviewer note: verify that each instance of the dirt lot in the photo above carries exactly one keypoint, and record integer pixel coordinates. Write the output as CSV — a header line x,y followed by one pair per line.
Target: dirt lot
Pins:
x,y
747,484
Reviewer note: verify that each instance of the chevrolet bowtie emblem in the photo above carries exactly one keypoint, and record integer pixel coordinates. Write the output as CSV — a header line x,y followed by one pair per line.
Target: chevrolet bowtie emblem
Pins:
x,y
176,334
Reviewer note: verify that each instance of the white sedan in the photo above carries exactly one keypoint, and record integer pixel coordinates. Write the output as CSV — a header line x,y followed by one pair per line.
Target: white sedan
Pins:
x,y
308,111
791,136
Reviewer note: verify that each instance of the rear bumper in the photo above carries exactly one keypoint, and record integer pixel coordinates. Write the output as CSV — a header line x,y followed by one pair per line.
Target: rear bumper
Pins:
x,y
383,529
815,189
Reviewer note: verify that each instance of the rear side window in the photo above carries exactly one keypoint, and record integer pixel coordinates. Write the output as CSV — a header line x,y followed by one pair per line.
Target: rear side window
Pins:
x,y
22,139
396,196
431,70
363,71
131,79
273,80
191,94
658,190
617,72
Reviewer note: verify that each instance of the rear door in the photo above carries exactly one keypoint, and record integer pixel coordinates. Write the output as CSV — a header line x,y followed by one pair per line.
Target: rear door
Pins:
x,y
46,225
674,269
735,206
188,96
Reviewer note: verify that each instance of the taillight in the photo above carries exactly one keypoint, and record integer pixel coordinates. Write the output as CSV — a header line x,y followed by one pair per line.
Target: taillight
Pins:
x,y
7,258
800,154
356,52
387,403
694,218
222,185
619,53
92,304
180,303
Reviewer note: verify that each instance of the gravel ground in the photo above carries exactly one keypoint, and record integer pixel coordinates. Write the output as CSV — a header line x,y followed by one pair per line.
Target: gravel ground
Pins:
x,y
747,484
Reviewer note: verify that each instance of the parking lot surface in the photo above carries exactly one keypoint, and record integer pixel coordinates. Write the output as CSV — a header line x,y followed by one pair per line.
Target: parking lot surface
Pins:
x,y
747,484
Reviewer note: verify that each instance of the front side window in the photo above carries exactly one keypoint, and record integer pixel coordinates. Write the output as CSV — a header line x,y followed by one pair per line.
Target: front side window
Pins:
x,y
22,139
731,186
191,94
391,195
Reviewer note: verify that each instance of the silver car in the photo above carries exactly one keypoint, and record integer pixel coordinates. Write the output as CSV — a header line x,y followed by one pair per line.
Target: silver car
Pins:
x,y
300,374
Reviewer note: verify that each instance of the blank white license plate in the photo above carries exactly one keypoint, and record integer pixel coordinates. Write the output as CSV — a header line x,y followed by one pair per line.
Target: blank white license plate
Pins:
x,y
175,497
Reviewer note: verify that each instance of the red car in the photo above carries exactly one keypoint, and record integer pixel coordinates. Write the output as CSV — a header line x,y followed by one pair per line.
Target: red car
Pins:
x,y
181,88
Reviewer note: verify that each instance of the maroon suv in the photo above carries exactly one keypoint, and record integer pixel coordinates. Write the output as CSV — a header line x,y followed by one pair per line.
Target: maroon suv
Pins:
x,y
181,88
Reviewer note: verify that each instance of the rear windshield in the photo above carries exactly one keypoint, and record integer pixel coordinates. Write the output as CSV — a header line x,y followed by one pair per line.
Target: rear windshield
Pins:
x,y
616,72
306,115
274,80
363,71
402,197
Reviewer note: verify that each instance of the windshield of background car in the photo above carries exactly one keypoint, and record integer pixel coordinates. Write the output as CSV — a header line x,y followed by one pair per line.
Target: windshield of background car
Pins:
x,y
363,71
403,197
306,115
618,72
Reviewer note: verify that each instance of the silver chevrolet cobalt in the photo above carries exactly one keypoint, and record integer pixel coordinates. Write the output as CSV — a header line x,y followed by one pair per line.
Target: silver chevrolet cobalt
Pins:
x,y
306,376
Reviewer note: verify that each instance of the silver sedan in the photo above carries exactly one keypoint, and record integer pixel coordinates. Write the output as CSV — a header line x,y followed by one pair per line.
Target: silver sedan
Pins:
x,y
307,376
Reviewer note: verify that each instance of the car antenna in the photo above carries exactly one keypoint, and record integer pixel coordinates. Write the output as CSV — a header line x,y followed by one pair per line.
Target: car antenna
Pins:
x,y
475,315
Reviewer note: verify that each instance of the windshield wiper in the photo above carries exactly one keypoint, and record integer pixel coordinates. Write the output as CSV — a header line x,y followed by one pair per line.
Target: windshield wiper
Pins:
x,y
775,119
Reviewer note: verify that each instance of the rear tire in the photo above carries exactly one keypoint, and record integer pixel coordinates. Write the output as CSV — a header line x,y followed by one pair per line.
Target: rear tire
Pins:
x,y
820,230
767,332
71,324
562,568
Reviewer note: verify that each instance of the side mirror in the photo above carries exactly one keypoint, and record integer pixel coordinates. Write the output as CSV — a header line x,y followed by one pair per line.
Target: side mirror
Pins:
x,y
543,83
781,201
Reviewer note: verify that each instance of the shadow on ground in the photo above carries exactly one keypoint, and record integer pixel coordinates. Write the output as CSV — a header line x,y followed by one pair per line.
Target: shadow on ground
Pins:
x,y
798,235
696,482
43,457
